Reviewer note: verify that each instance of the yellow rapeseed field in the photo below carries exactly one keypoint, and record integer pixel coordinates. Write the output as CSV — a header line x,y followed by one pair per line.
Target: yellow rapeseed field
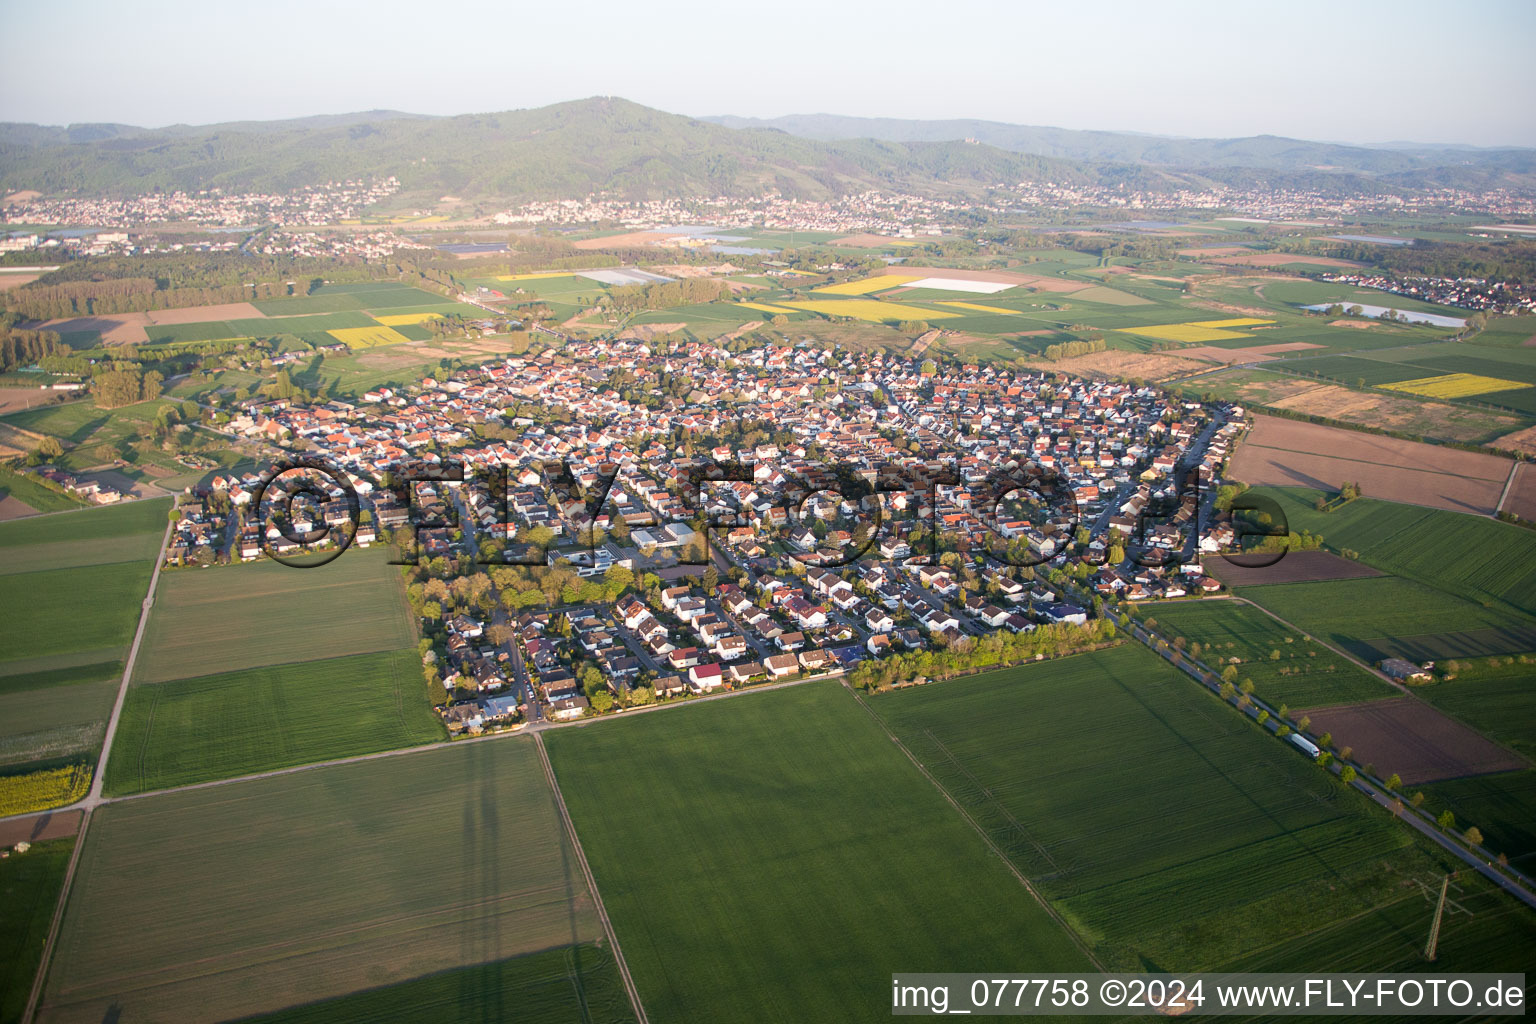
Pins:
x,y
368,337
1198,332
1455,385
869,309
38,791
534,277
869,284
396,319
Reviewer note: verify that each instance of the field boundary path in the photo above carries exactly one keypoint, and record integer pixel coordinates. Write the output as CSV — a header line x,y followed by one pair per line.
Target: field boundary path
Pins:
x,y
93,799
1514,468
99,778
1239,599
965,815
586,871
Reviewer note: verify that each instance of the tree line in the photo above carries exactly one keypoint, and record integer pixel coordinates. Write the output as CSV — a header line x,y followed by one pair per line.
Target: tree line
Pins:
x,y
668,295
22,347
1068,349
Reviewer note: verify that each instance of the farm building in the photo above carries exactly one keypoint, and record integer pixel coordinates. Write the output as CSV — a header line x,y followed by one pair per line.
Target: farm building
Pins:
x,y
1404,671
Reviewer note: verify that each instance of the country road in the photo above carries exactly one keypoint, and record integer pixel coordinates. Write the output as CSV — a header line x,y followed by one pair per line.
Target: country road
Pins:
x,y
1362,782
93,799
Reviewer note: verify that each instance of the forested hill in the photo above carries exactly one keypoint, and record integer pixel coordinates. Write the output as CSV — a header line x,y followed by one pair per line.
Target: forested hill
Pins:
x,y
561,150
610,144
1405,164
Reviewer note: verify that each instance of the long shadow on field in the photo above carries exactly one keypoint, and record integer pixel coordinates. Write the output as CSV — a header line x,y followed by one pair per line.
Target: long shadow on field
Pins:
x,y
480,876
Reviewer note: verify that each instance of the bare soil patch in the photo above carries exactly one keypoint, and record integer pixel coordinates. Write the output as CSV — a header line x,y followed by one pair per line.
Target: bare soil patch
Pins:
x,y
26,195
1519,441
17,399
1225,355
36,827
203,314
1278,259
1357,324
1117,363
927,338
8,281
12,507
1254,353
750,325
631,239
116,329
1288,453
646,332
1413,739
1444,420
1215,250
1295,567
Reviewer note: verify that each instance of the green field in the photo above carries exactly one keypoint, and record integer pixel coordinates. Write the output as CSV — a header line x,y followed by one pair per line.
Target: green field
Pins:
x,y
270,614
29,890
254,720
1500,702
71,588
1391,617
45,612
578,983
1305,673
1472,557
33,494
72,584
1503,807
129,532
1172,832
89,433
63,722
1487,930
775,855
277,893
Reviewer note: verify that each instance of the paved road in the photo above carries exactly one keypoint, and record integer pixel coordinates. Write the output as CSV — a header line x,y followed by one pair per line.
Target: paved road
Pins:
x,y
1376,792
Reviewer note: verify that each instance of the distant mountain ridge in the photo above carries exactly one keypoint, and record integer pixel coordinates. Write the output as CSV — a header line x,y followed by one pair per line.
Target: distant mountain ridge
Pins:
x,y
611,145
1271,152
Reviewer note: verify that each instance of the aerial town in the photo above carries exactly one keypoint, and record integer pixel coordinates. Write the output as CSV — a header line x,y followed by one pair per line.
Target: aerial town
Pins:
x,y
794,416
832,530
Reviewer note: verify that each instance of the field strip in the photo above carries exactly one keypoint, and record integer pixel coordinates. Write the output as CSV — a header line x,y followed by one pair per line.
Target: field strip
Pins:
x,y
93,798
122,690
1060,921
586,871
1018,825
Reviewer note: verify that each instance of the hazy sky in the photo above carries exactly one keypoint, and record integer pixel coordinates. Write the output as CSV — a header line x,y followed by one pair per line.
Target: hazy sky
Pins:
x,y
1337,70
